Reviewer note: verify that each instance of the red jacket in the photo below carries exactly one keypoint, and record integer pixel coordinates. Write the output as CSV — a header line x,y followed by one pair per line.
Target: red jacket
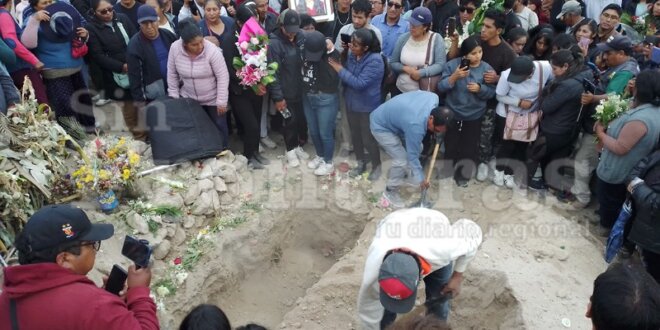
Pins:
x,y
51,297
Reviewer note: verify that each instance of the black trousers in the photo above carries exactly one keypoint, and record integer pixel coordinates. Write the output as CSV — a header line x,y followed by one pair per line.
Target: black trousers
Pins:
x,y
362,138
462,147
557,146
610,198
247,109
294,128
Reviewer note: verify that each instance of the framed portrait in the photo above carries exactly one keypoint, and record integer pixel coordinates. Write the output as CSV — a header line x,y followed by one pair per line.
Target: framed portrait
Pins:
x,y
320,10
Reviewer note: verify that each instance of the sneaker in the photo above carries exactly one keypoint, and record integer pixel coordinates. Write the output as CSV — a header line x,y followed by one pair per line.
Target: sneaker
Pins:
x,y
315,162
498,178
358,170
268,143
292,158
375,174
537,185
300,152
324,168
261,159
254,164
101,102
393,198
482,172
462,182
508,181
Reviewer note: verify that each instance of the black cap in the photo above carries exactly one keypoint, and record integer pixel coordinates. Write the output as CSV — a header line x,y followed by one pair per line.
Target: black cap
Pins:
x,y
398,278
54,225
290,19
521,68
617,42
314,46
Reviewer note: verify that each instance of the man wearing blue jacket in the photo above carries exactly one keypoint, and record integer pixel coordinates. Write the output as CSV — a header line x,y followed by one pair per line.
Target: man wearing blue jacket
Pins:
x,y
406,117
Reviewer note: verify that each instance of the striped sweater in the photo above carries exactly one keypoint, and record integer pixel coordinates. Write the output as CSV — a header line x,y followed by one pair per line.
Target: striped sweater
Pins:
x,y
203,77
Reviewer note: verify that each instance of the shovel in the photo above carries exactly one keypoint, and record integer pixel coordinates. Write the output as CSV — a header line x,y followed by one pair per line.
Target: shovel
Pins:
x,y
422,200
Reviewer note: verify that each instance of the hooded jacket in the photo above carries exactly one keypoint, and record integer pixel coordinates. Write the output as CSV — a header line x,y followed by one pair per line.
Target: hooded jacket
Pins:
x,y
51,297
288,79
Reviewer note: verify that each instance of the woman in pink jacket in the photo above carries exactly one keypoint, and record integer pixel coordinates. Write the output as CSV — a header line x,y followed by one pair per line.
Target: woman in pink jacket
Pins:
x,y
196,69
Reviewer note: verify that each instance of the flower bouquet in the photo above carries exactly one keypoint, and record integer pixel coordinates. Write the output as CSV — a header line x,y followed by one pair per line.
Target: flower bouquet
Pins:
x,y
478,21
112,166
252,66
643,25
610,108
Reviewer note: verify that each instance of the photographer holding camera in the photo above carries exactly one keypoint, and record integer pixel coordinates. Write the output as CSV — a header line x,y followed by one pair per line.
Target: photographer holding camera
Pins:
x,y
50,290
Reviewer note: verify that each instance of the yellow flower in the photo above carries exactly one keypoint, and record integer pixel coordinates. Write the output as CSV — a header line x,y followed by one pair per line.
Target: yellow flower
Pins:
x,y
112,154
88,178
126,174
121,142
79,185
104,175
133,158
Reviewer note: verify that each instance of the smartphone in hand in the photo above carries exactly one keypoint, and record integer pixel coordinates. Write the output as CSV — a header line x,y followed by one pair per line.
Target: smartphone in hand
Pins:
x,y
116,280
588,86
451,26
584,42
465,63
346,38
138,251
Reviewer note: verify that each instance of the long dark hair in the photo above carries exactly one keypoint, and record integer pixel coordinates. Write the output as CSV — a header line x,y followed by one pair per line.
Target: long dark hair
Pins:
x,y
573,57
647,87
205,316
544,33
369,39
188,30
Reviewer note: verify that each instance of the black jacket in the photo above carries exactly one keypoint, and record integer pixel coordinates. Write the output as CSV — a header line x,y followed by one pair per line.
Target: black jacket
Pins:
x,y
561,104
107,48
229,51
327,79
288,80
645,230
143,65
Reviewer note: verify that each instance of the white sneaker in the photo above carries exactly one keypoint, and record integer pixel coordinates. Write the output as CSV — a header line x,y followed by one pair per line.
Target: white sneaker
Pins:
x,y
314,163
292,158
324,168
268,143
498,178
508,181
301,153
101,102
482,172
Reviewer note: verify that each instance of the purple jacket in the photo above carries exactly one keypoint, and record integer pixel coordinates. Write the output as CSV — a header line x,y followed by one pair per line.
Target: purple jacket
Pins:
x,y
203,78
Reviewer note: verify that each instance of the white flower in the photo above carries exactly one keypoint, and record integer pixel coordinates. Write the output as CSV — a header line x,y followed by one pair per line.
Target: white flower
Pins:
x,y
162,291
244,45
599,108
254,41
181,277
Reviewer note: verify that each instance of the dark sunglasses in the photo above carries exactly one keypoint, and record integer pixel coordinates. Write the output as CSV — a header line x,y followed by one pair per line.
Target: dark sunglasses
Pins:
x,y
96,244
467,9
395,5
105,11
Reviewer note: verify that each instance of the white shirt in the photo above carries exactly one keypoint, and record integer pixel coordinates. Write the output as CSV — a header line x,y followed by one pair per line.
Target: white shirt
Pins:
x,y
511,94
595,7
426,232
528,18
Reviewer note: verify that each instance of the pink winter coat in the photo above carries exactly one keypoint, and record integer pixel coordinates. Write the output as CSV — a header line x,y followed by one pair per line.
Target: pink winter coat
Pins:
x,y
203,78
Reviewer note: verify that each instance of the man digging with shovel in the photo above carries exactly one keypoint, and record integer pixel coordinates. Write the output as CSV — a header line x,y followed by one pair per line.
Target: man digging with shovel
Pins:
x,y
411,245
405,119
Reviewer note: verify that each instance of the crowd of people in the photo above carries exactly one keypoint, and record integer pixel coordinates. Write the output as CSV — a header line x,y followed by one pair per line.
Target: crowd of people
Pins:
x,y
513,102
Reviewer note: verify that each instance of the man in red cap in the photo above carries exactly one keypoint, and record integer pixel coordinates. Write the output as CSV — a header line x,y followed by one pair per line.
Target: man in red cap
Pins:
x,y
411,245
50,289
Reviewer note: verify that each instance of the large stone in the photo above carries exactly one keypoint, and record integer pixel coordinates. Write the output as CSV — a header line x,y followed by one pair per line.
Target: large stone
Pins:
x,y
137,222
204,205
226,199
179,236
227,172
219,185
228,157
205,185
192,194
205,173
188,221
233,189
215,198
240,163
162,249
169,197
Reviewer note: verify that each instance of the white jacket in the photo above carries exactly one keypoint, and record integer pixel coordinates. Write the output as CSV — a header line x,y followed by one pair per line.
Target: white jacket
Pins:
x,y
426,232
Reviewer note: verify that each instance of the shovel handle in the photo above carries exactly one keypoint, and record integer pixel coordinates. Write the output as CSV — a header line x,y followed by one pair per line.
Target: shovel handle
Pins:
x,y
435,154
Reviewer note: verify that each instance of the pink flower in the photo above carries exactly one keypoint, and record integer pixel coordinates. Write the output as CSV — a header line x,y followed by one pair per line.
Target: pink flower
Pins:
x,y
177,260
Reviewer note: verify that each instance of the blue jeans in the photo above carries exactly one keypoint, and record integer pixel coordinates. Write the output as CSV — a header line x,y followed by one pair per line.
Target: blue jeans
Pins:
x,y
393,146
433,284
9,94
321,113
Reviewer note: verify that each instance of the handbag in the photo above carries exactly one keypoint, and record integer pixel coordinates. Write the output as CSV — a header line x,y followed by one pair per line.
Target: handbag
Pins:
x,y
429,83
121,79
78,48
524,126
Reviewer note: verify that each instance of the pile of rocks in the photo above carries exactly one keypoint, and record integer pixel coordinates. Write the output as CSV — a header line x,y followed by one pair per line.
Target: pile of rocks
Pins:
x,y
209,186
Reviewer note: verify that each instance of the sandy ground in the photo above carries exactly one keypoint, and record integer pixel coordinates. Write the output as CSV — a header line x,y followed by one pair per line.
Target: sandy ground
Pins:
x,y
298,263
